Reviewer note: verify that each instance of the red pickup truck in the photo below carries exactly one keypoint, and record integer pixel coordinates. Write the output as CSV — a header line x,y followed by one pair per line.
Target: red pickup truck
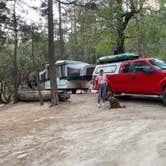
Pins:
x,y
139,76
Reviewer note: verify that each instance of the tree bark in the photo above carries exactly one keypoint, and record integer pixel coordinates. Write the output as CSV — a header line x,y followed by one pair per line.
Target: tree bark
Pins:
x,y
123,20
35,69
62,48
120,42
51,58
15,67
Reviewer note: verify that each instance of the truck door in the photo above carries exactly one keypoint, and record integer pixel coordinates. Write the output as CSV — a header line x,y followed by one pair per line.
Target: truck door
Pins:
x,y
146,79
127,77
135,79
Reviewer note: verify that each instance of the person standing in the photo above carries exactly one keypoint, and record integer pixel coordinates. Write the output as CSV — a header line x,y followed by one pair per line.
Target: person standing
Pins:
x,y
102,85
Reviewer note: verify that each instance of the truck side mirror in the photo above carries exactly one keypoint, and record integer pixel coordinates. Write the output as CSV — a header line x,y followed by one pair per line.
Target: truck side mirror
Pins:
x,y
148,70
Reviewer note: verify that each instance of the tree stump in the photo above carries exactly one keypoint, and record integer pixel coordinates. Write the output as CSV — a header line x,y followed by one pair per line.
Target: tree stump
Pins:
x,y
4,92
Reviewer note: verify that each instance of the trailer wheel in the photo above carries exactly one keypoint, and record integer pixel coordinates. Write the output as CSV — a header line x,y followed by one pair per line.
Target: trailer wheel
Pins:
x,y
73,91
164,96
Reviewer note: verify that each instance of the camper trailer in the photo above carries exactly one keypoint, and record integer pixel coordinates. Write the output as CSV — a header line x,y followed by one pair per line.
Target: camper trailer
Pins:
x,y
71,75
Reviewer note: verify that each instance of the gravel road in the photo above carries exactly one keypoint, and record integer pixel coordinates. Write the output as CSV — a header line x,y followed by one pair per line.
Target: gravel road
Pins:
x,y
77,133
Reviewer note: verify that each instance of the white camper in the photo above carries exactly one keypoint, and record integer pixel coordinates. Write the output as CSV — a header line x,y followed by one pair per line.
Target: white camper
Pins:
x,y
71,75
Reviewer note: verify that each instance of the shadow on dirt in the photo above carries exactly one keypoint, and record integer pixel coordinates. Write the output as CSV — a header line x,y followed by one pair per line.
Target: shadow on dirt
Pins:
x,y
142,99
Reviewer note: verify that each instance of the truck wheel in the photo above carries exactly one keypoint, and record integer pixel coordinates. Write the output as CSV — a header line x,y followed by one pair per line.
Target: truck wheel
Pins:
x,y
118,94
164,96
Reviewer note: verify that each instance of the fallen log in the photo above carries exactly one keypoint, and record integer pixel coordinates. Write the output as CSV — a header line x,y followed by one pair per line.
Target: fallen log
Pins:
x,y
46,95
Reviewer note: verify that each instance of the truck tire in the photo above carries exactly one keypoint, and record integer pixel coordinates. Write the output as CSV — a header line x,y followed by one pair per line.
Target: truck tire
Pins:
x,y
164,96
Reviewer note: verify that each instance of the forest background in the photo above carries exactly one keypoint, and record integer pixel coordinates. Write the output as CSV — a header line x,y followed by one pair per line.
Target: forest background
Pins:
x,y
83,30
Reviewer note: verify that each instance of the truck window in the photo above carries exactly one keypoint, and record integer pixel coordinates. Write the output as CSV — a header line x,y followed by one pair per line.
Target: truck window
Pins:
x,y
139,66
159,64
135,67
128,67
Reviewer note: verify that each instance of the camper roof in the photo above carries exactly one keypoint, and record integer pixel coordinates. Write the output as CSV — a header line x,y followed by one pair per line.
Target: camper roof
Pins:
x,y
59,62
75,64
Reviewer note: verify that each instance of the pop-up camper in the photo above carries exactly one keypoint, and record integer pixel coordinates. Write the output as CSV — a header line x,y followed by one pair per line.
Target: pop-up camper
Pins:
x,y
71,75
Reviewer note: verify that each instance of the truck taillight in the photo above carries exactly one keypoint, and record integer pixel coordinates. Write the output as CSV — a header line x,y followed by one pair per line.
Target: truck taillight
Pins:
x,y
95,83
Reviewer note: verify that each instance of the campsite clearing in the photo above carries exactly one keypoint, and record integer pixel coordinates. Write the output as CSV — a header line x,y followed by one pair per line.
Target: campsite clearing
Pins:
x,y
77,133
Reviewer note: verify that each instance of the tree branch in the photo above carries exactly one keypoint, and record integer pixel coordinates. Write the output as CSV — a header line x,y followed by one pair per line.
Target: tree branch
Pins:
x,y
67,3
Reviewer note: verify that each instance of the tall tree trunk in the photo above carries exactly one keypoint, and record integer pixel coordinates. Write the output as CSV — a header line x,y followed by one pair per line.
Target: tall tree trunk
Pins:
x,y
120,28
139,45
35,69
123,19
62,48
74,34
51,58
75,23
120,42
15,67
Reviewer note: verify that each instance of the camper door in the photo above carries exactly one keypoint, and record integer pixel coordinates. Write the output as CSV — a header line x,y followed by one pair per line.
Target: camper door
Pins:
x,y
61,76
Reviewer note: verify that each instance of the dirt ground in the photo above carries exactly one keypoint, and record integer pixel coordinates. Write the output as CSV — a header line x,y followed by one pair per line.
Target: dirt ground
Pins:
x,y
77,133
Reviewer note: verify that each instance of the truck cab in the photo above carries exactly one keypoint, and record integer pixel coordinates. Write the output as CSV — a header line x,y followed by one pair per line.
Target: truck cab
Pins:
x,y
138,76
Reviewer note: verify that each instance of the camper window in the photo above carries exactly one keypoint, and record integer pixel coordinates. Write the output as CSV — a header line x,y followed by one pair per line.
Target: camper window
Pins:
x,y
63,71
48,72
73,72
58,71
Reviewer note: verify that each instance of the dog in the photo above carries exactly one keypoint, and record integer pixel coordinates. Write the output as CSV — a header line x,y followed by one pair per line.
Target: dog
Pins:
x,y
114,102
